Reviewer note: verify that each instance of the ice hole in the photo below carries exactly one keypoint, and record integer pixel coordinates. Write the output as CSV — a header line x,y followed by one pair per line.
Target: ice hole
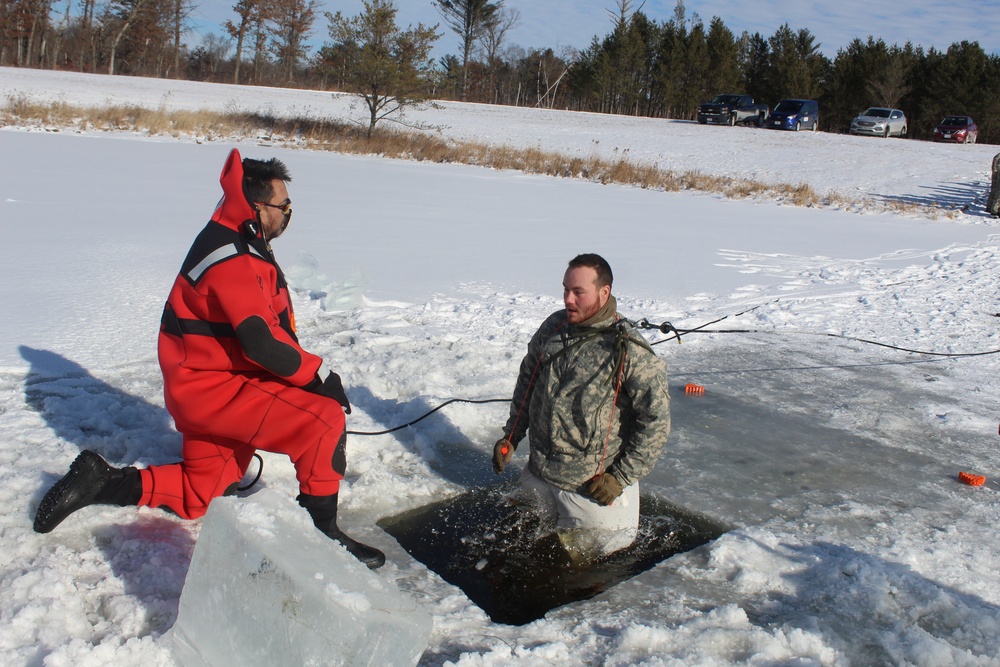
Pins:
x,y
513,568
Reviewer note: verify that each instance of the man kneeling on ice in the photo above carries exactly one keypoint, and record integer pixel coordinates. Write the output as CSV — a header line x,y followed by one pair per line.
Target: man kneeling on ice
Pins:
x,y
234,376
594,396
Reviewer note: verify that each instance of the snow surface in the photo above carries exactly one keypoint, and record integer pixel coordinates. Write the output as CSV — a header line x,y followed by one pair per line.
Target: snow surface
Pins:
x,y
834,461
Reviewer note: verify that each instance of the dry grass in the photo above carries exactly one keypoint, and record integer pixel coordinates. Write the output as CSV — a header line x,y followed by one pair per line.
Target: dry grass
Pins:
x,y
328,134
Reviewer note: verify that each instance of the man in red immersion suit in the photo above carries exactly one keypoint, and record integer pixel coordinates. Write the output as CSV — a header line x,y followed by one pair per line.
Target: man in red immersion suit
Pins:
x,y
234,376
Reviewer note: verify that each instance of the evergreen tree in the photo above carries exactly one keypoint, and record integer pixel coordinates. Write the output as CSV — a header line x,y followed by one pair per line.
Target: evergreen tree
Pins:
x,y
683,64
755,64
695,82
796,64
671,64
963,81
392,67
846,93
450,75
723,75
582,80
332,62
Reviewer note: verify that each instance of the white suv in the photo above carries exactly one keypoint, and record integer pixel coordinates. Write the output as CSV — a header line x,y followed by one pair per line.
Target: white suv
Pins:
x,y
880,122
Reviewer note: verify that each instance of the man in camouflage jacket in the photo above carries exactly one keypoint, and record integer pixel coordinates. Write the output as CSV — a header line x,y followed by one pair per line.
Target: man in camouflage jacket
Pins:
x,y
594,396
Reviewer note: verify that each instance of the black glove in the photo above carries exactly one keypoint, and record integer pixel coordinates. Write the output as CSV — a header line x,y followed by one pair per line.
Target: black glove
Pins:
x,y
333,388
604,488
503,452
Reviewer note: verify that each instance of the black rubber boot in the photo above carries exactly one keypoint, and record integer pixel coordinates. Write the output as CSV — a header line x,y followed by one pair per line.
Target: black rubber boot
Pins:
x,y
323,510
90,481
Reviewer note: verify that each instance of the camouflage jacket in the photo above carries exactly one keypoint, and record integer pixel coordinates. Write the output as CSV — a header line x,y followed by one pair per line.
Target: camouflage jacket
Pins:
x,y
566,388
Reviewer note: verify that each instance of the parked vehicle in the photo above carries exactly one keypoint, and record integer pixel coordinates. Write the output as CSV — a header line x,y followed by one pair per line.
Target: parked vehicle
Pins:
x,y
880,122
795,115
732,109
960,129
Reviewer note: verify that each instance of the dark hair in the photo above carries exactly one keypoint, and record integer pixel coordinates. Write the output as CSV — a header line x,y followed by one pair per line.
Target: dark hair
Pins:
x,y
257,177
597,263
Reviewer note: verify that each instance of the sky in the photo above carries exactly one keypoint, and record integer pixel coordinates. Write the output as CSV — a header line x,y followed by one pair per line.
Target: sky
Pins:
x,y
573,23
829,465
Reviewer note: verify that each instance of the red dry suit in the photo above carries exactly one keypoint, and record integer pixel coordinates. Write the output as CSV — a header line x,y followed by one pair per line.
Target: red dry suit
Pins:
x,y
234,376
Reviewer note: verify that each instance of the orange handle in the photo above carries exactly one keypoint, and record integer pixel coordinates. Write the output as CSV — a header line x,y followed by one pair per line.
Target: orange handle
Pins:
x,y
505,449
971,480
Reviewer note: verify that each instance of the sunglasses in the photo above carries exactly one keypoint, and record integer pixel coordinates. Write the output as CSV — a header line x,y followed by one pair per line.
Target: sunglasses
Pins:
x,y
285,207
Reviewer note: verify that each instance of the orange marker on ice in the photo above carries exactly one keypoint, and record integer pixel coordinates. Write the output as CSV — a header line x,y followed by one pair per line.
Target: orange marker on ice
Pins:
x,y
971,480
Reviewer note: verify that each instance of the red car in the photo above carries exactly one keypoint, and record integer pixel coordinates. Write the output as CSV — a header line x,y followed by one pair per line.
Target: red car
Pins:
x,y
960,129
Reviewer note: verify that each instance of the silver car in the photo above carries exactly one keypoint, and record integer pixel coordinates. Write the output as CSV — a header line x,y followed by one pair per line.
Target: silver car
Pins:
x,y
880,122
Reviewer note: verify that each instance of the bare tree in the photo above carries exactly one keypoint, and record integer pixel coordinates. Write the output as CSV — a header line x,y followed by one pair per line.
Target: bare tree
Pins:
x,y
468,19
260,34
39,28
86,37
181,10
551,70
6,21
24,25
291,23
889,86
250,15
624,9
492,40
205,61
131,9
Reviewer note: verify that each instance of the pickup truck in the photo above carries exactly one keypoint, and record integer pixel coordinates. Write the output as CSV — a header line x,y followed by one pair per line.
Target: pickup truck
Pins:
x,y
732,109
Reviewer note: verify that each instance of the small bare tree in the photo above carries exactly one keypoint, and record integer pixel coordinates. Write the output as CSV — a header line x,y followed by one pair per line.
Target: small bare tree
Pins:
x,y
889,87
494,35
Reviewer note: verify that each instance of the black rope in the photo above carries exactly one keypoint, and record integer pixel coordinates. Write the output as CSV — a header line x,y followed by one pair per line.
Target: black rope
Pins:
x,y
260,469
665,328
830,335
892,347
429,413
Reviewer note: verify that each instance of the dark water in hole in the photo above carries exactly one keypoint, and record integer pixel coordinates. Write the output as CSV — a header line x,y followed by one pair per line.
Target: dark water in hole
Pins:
x,y
514,569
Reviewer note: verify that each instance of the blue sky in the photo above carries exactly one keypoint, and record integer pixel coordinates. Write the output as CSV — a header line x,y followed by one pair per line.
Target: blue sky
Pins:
x,y
573,23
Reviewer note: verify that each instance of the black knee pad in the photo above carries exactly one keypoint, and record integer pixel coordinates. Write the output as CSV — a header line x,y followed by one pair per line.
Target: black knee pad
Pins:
x,y
339,461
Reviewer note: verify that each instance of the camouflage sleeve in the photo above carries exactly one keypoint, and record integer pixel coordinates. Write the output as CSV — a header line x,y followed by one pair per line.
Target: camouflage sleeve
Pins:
x,y
517,423
646,387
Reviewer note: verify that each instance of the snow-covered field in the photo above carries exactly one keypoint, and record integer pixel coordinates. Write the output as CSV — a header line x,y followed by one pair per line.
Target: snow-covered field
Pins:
x,y
834,461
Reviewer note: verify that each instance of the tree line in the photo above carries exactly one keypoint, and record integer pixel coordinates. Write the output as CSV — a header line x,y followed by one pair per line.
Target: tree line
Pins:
x,y
664,69
642,66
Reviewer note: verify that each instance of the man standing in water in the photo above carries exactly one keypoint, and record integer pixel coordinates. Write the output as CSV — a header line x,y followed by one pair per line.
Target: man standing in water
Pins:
x,y
593,396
